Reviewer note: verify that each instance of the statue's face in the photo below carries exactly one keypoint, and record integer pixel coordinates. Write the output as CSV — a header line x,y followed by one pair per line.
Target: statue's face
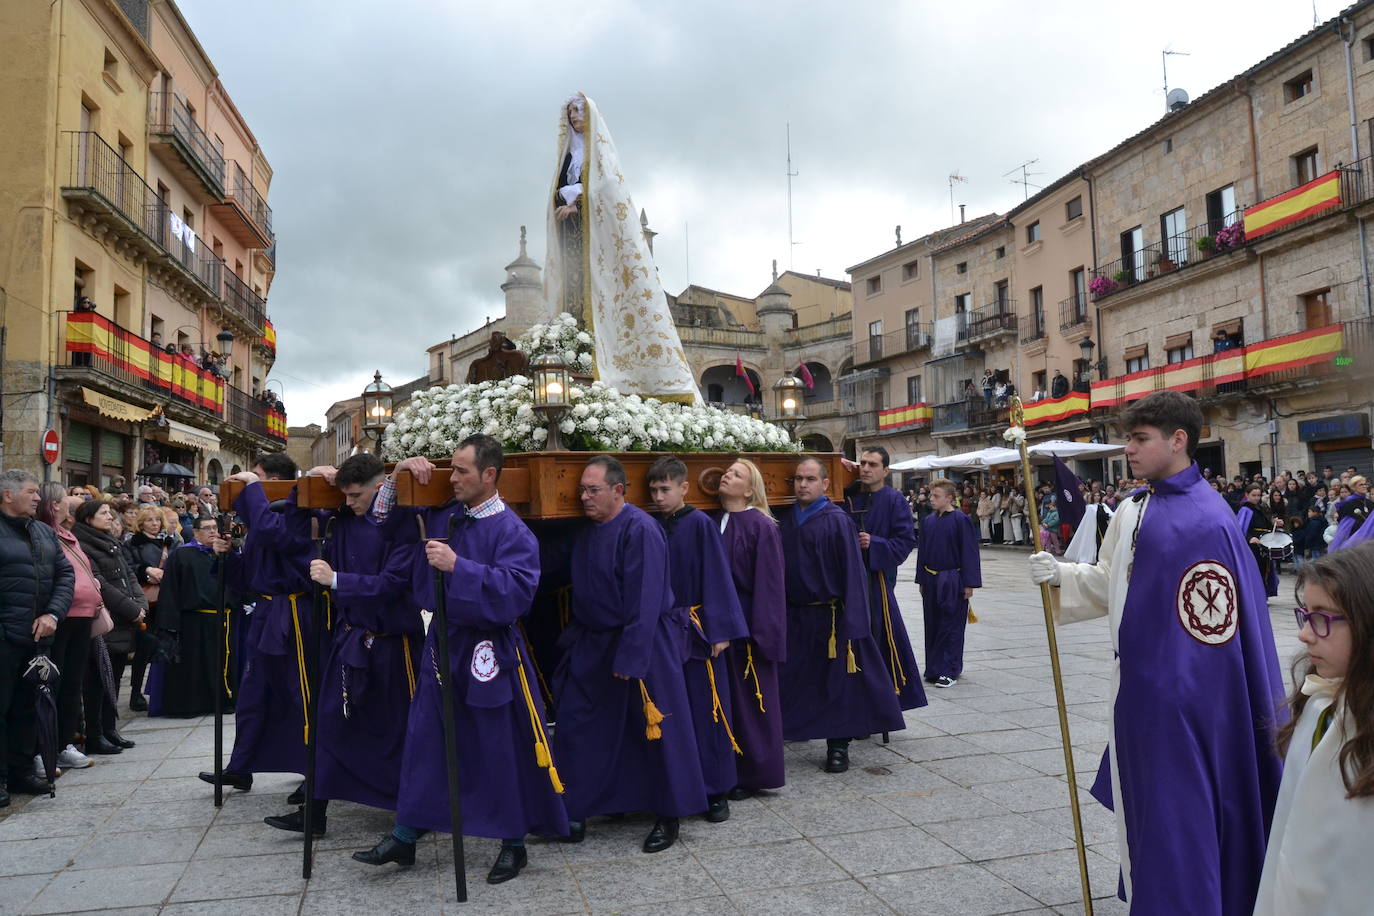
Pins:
x,y
576,117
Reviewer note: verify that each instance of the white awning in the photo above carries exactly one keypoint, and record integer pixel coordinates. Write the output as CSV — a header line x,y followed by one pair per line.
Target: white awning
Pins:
x,y
189,436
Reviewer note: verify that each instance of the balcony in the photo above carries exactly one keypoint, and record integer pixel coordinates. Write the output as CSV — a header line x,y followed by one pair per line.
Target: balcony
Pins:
x,y
180,143
241,303
998,319
248,413
184,251
1035,333
1075,322
862,421
970,414
721,337
917,337
841,326
244,213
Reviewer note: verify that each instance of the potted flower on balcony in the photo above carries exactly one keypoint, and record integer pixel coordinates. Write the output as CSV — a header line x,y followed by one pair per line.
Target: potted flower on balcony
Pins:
x,y
1230,236
1102,286
1206,244
1121,277
1164,263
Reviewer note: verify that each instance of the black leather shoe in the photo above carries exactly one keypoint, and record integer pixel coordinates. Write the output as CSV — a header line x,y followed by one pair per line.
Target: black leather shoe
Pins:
x,y
718,811
99,745
739,793
138,703
295,822
577,832
390,849
836,760
662,836
114,737
297,797
508,864
241,781
28,784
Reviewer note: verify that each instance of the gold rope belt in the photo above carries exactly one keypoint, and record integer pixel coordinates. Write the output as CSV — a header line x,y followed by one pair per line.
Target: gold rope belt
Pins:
x,y
851,665
750,669
542,756
652,717
898,675
300,665
225,673
717,710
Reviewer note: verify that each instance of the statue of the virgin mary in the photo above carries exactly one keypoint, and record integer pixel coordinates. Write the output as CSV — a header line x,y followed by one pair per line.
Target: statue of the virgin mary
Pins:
x,y
600,268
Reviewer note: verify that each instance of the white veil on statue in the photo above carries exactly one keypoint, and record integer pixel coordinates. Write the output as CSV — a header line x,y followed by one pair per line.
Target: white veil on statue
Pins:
x,y
600,268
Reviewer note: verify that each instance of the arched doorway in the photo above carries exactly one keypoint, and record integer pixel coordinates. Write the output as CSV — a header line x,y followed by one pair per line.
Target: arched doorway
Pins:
x,y
721,386
214,472
822,390
816,442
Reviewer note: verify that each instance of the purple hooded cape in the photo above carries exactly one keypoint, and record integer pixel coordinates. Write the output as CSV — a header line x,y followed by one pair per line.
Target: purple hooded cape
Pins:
x,y
1257,524
497,709
754,547
623,624
1351,528
827,605
947,562
1196,707
701,581
371,663
269,733
886,516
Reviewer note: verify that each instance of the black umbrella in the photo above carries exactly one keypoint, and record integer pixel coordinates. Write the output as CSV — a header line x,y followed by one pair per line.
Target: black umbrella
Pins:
x,y
43,675
166,469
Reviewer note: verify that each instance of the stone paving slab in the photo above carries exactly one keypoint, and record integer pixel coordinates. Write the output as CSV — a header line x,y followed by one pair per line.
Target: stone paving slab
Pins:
x,y
965,811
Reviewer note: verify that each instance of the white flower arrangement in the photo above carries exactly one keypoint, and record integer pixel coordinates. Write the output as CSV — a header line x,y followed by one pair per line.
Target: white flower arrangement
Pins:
x,y
1016,435
600,419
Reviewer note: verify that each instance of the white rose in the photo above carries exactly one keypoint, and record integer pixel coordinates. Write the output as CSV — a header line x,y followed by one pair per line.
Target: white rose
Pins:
x,y
567,426
540,434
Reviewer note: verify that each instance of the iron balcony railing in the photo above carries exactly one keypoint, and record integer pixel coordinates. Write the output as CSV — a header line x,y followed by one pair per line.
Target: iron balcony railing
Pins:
x,y
875,347
189,251
94,343
862,421
1035,331
907,339
996,318
242,193
240,297
917,336
950,417
170,116
243,410
1073,313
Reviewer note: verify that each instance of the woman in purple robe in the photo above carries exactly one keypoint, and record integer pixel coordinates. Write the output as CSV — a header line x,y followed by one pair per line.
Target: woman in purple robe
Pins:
x,y
754,547
1354,516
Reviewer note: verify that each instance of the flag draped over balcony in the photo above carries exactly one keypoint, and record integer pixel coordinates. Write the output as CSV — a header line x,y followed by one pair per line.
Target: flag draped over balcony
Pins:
x,y
804,374
1051,409
1306,199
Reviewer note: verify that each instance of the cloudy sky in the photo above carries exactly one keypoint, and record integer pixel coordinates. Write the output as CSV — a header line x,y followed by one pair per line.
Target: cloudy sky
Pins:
x,y
411,139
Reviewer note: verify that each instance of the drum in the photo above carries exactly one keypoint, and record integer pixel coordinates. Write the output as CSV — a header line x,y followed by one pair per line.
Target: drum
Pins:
x,y
1329,534
1279,545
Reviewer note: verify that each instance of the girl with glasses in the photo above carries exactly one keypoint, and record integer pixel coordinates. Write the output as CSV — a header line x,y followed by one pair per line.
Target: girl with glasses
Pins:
x,y
1323,827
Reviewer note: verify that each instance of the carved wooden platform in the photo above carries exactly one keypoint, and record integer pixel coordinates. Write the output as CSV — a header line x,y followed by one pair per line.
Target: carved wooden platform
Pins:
x,y
543,485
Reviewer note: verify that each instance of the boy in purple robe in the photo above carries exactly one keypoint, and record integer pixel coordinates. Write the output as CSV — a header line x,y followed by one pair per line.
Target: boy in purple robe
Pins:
x,y
751,539
371,664
705,595
886,538
834,684
625,735
509,784
1255,522
273,565
948,569
1191,771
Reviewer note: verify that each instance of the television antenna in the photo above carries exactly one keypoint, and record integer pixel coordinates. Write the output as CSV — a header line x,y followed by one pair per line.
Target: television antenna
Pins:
x,y
1024,181
1164,58
954,177
791,245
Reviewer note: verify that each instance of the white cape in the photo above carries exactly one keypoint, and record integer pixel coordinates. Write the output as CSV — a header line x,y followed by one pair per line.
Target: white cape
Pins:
x,y
638,350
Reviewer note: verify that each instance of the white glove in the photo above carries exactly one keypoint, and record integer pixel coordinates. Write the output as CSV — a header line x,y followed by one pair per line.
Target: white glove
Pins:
x,y
1044,568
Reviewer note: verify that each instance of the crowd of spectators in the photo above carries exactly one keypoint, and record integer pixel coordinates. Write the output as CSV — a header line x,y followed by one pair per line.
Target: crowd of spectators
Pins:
x,y
80,570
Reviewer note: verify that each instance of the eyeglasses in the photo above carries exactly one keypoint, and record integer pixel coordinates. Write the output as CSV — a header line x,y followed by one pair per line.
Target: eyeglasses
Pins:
x,y
1320,622
589,491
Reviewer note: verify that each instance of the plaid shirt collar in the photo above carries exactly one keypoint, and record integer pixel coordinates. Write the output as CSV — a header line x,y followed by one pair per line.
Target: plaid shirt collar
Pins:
x,y
487,509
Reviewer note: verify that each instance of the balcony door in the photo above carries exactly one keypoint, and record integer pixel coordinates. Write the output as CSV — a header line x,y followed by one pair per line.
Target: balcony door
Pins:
x,y
1133,254
1173,227
1317,309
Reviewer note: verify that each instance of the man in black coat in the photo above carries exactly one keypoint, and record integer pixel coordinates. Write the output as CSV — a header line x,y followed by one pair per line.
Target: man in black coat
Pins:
x,y
36,585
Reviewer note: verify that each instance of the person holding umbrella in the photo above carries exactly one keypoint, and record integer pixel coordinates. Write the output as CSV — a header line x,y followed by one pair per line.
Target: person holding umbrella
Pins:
x,y
36,584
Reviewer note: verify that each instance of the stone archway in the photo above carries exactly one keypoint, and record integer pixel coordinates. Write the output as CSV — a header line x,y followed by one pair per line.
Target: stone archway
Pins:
x,y
816,442
823,384
214,472
720,385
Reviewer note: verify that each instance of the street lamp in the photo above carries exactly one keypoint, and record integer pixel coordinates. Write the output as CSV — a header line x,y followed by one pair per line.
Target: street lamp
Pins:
x,y
1085,349
788,395
376,407
225,339
550,395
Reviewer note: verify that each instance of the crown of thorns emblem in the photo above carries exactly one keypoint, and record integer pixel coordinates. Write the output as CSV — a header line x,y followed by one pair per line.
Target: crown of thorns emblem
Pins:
x,y
1207,603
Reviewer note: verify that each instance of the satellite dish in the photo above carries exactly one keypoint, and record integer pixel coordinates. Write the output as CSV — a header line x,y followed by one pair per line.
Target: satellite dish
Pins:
x,y
1176,99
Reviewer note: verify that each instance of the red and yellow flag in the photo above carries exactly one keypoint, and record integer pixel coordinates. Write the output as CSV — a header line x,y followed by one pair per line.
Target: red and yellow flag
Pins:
x,y
1052,409
1304,348
899,417
269,335
1317,195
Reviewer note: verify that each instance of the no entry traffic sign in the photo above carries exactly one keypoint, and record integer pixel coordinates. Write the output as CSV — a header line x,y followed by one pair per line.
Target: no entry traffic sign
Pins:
x,y
50,446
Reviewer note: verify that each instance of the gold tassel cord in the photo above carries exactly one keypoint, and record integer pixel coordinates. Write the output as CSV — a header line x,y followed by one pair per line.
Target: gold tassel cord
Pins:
x,y
972,617
717,710
898,674
300,668
750,669
652,717
225,674
410,664
543,757
851,665
830,648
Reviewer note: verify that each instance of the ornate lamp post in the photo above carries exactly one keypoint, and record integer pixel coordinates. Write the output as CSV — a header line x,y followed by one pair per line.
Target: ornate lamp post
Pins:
x,y
551,395
788,396
376,408
225,339
1085,349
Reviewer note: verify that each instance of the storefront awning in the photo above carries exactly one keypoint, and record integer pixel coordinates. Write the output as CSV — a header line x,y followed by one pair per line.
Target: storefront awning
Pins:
x,y
114,408
189,436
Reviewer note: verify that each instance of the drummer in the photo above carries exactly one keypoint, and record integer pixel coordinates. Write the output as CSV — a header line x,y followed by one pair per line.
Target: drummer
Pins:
x,y
1256,522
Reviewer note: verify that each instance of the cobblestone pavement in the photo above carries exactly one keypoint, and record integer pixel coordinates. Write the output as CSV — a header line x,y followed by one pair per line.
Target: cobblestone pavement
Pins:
x,y
965,812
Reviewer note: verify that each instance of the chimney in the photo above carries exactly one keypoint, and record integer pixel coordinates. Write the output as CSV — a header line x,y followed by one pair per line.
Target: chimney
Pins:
x,y
961,213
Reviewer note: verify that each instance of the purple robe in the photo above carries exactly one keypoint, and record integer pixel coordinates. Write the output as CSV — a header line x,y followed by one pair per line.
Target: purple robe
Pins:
x,y
1355,523
947,562
1196,708
827,620
497,710
886,516
623,624
754,547
1256,524
269,719
701,581
371,665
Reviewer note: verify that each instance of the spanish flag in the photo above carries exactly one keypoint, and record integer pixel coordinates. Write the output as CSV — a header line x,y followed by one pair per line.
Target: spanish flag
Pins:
x,y
899,417
1047,411
1317,195
1305,348
269,335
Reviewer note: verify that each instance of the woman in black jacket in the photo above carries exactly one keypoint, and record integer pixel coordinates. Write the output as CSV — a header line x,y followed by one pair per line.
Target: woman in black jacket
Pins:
x,y
124,599
146,553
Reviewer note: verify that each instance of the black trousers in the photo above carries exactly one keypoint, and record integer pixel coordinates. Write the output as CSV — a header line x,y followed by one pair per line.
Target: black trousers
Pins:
x,y
71,647
17,721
